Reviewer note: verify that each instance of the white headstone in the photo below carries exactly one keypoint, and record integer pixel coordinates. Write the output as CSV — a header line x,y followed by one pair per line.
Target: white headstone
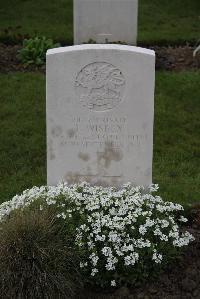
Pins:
x,y
100,105
104,21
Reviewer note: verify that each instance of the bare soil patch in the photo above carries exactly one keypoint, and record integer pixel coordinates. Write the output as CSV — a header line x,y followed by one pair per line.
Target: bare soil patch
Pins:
x,y
176,59
10,63
167,58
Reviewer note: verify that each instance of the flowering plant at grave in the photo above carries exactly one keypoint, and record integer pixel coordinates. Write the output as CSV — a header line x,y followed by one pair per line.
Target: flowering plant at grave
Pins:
x,y
121,235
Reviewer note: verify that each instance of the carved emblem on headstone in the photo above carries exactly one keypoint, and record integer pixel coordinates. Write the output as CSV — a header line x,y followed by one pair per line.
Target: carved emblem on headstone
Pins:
x,y
100,86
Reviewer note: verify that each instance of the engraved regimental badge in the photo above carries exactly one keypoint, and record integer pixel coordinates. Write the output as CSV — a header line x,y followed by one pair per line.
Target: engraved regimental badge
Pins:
x,y
100,86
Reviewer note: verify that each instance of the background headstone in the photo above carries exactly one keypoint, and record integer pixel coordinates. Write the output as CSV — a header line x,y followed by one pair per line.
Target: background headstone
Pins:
x,y
100,104
105,21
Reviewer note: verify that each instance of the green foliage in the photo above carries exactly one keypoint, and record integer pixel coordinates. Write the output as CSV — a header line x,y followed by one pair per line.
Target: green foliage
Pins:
x,y
36,257
34,50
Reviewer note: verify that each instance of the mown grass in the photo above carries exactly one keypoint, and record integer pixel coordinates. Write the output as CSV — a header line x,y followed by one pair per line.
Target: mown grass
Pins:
x,y
160,21
176,138
22,134
169,22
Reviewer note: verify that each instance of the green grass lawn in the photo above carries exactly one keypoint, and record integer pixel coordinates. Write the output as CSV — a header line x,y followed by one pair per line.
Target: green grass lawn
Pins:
x,y
160,21
176,149
176,136
22,134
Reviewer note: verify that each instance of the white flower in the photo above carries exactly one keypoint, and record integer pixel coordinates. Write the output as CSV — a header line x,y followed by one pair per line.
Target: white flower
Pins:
x,y
113,283
131,259
94,271
115,225
142,230
94,259
183,219
157,257
106,251
82,265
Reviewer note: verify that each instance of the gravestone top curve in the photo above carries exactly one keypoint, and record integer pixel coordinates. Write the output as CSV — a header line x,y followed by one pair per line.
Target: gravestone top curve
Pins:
x,y
101,47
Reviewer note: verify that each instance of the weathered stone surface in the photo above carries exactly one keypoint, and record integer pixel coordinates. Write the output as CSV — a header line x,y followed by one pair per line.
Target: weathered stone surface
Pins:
x,y
105,21
100,103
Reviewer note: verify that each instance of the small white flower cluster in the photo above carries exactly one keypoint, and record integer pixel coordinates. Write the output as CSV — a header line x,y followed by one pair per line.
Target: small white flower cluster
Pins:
x,y
157,257
121,224
21,201
117,229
